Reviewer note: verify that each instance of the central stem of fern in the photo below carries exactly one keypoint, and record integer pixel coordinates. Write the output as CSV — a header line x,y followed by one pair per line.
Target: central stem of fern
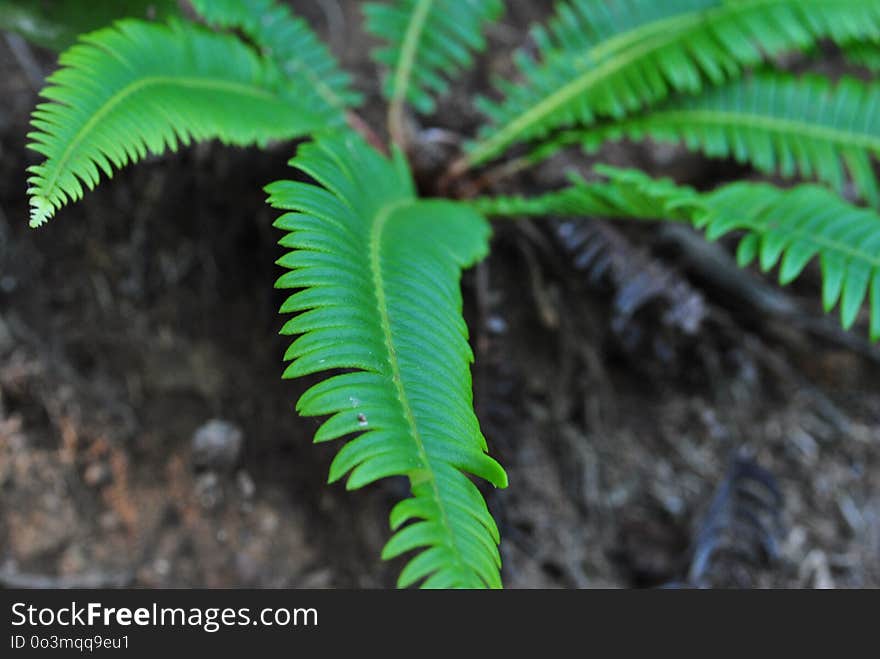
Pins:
x,y
382,303
404,71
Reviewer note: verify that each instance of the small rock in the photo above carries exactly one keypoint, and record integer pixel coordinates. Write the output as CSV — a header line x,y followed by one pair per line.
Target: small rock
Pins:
x,y
208,490
109,521
217,445
162,567
496,324
246,485
96,474
269,522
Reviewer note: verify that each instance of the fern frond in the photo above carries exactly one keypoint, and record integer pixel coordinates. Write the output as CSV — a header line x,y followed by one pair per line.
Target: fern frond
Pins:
x,y
602,59
782,227
790,228
864,54
775,122
377,273
311,70
628,193
136,88
426,42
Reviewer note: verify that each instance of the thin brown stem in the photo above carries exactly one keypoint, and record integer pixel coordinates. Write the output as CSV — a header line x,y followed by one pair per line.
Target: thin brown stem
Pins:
x,y
365,130
397,124
486,180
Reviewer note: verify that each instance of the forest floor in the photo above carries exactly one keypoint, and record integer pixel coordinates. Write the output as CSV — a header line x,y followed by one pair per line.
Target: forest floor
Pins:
x,y
147,310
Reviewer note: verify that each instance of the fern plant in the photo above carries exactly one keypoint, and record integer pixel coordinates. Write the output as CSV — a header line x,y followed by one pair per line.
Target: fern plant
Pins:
x,y
374,269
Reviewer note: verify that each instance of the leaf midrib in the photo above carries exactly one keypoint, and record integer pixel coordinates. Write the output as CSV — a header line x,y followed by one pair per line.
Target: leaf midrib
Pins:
x,y
409,49
376,235
120,96
770,124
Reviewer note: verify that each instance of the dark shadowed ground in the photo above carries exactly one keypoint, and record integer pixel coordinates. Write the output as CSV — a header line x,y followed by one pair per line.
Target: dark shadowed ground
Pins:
x,y
146,310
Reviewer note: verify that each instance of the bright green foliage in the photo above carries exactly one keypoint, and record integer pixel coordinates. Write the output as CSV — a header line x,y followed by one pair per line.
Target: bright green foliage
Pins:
x,y
786,227
779,124
137,88
427,40
628,193
377,273
56,24
790,228
311,71
601,59
864,54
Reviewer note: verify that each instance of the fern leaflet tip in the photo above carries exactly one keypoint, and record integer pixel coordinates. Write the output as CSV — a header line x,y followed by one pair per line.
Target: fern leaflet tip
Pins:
x,y
42,211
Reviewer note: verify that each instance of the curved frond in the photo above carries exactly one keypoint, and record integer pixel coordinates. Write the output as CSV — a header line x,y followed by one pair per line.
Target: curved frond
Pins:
x,y
427,41
789,228
312,72
628,193
777,123
138,88
600,58
782,227
376,273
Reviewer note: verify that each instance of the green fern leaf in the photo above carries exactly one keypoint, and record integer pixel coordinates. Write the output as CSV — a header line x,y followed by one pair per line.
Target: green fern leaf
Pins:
x,y
787,228
602,59
790,227
426,41
311,70
864,54
777,123
627,194
136,88
376,272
